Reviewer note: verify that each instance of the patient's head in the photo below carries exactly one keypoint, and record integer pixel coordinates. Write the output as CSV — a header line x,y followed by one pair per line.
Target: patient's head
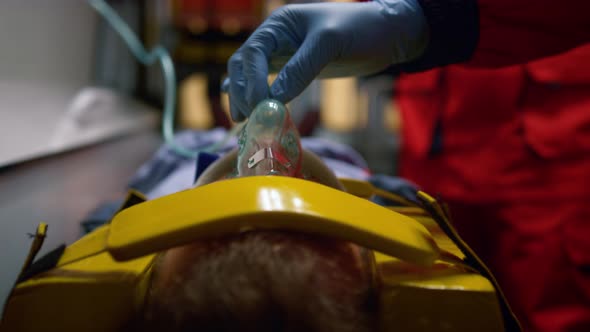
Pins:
x,y
262,280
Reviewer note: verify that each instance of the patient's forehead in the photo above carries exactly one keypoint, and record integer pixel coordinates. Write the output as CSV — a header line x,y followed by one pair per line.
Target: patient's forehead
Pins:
x,y
312,169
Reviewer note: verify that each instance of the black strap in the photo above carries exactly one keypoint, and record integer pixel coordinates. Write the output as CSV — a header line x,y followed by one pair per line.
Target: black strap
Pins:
x,y
43,264
442,218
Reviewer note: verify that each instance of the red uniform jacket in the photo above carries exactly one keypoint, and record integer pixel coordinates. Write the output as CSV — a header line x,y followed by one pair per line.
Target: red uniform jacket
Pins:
x,y
515,132
507,128
509,147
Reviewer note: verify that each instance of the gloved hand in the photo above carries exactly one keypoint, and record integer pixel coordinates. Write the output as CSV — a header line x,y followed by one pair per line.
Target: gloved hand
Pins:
x,y
325,39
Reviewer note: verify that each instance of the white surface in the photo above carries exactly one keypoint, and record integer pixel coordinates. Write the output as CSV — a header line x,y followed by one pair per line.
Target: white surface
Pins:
x,y
46,56
40,119
49,41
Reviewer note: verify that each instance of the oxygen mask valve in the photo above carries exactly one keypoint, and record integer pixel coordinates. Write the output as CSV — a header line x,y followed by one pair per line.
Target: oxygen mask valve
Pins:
x,y
269,144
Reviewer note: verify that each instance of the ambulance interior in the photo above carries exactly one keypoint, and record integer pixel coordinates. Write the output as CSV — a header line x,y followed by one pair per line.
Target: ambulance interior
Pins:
x,y
86,172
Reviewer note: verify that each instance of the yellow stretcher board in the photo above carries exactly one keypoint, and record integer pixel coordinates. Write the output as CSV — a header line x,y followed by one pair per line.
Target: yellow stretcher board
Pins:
x,y
429,279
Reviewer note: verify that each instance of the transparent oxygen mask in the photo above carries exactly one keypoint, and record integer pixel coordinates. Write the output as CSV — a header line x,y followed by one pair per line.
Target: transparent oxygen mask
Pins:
x,y
269,144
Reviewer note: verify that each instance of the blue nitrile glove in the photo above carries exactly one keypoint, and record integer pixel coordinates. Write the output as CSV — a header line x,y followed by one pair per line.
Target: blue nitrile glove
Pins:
x,y
326,40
